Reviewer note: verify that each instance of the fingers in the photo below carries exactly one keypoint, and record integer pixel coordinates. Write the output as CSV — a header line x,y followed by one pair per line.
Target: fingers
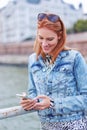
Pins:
x,y
39,106
43,104
27,104
41,97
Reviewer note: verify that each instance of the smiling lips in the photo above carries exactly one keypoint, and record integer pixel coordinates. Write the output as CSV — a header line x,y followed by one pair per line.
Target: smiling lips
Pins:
x,y
47,47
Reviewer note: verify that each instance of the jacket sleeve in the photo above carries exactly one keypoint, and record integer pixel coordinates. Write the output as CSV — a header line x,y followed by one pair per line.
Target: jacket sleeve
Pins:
x,y
79,102
32,93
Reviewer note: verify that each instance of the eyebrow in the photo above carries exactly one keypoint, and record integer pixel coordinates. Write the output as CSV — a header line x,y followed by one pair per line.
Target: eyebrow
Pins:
x,y
47,37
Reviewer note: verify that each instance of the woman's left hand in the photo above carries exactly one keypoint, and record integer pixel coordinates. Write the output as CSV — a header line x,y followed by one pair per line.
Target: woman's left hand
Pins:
x,y
45,103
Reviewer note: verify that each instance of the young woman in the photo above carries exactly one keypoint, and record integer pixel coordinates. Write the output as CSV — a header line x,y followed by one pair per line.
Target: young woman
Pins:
x,y
57,78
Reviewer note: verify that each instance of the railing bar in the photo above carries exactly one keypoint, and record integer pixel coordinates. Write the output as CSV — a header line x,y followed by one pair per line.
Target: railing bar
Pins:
x,y
13,111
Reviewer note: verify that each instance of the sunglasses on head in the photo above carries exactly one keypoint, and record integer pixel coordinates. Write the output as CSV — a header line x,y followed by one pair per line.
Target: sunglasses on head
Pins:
x,y
51,17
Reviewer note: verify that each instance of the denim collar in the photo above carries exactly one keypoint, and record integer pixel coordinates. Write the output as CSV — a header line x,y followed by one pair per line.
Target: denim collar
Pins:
x,y
61,55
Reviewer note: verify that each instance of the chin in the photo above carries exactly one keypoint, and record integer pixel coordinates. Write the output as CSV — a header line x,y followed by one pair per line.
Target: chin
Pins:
x,y
46,52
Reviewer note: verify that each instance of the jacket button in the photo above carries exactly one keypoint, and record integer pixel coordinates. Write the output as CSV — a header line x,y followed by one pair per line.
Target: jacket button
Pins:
x,y
47,119
44,69
49,81
47,93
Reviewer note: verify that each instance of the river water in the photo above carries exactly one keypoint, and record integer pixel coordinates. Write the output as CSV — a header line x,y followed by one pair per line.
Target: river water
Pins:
x,y
15,80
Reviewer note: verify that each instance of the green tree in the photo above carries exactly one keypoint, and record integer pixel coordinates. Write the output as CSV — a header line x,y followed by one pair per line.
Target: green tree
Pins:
x,y
80,26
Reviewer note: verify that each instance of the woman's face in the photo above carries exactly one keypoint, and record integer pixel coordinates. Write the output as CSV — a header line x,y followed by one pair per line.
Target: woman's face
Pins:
x,y
48,40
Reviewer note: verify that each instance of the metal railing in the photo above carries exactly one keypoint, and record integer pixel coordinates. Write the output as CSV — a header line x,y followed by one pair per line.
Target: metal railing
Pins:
x,y
13,111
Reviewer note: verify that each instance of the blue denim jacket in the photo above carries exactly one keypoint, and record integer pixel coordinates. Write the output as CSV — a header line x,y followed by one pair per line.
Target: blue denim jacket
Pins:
x,y
65,83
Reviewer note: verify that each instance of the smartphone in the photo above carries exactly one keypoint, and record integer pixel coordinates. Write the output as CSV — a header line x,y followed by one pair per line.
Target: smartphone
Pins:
x,y
21,95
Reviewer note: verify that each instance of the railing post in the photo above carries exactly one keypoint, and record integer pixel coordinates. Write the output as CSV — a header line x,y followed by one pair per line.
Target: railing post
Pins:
x,y
13,111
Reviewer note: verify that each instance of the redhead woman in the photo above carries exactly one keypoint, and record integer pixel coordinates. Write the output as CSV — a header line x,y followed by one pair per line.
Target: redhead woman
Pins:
x,y
57,78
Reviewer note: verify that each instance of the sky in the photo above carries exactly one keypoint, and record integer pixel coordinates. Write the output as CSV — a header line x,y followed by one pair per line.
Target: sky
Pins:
x,y
74,2
3,3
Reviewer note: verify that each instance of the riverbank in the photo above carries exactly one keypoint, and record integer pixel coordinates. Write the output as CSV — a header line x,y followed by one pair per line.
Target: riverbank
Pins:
x,y
14,80
14,60
18,53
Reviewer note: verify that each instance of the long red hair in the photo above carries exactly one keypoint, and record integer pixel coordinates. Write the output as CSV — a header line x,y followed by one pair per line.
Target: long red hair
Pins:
x,y
59,29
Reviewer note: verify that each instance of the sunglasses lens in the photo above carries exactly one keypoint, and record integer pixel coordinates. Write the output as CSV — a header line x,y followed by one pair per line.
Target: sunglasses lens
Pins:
x,y
41,16
53,18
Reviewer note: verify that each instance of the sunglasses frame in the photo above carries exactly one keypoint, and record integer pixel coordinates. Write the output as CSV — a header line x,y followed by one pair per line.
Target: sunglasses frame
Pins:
x,y
50,17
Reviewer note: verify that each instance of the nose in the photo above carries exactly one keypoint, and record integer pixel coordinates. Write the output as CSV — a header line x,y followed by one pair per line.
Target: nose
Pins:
x,y
44,43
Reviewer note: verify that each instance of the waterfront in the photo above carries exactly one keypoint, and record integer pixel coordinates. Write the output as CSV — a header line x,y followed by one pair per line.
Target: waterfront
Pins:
x,y
15,80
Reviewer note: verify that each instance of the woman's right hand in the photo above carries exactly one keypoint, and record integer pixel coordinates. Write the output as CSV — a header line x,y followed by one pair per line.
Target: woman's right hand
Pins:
x,y
27,104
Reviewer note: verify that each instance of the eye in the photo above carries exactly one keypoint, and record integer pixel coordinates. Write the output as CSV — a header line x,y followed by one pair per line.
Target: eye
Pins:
x,y
40,37
50,38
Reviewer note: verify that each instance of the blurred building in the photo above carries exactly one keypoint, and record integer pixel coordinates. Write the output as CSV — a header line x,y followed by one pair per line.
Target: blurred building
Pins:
x,y
0,26
85,16
18,19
